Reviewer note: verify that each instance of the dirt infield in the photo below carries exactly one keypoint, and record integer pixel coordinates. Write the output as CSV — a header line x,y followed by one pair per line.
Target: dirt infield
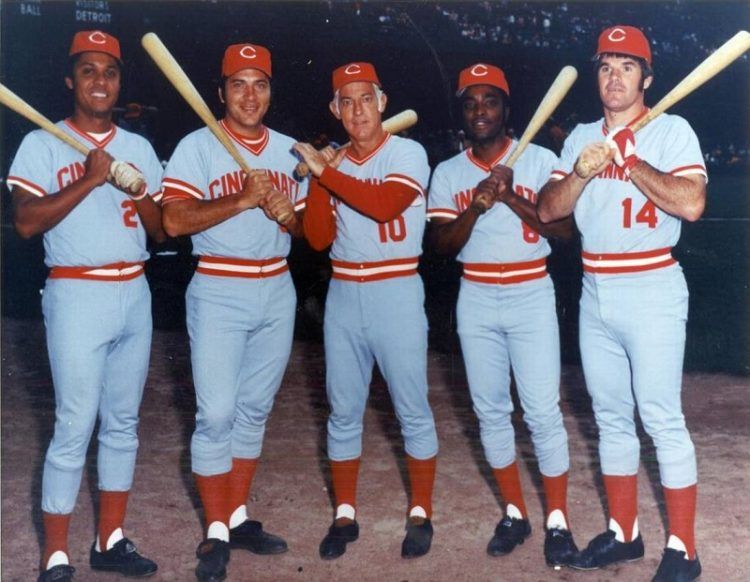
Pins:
x,y
290,493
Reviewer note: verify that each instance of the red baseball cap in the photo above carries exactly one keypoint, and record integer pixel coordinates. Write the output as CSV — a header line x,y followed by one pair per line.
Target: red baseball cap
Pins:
x,y
354,72
95,41
626,40
246,56
482,74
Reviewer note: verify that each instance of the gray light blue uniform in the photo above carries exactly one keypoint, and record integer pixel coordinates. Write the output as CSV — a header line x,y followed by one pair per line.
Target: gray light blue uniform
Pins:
x,y
375,308
241,301
97,311
506,310
635,301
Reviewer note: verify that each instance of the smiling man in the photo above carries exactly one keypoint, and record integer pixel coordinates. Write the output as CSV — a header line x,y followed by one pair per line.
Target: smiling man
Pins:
x,y
629,194
241,301
96,301
368,202
485,213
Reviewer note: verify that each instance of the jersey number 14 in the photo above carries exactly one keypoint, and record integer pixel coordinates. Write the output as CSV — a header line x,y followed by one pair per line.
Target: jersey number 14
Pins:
x,y
646,215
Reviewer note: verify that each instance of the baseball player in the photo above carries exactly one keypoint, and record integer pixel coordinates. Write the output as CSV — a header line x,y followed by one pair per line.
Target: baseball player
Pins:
x,y
634,302
485,213
96,301
369,201
241,301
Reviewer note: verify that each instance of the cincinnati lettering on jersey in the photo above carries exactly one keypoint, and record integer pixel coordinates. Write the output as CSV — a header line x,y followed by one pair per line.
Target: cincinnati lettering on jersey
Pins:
x,y
613,172
463,198
69,174
231,182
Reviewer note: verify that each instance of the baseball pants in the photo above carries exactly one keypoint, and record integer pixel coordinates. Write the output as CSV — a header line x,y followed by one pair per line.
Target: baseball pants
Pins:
x,y
514,326
241,334
383,322
632,333
99,342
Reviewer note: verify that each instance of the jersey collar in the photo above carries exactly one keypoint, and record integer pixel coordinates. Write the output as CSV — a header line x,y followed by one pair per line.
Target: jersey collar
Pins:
x,y
89,138
477,162
360,161
254,146
605,129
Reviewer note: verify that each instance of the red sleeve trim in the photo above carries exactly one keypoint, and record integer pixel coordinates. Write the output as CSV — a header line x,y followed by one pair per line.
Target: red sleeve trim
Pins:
x,y
30,187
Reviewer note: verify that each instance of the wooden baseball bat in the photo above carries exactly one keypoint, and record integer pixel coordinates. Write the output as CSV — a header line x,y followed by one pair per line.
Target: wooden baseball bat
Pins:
x,y
173,71
395,124
711,66
555,94
14,102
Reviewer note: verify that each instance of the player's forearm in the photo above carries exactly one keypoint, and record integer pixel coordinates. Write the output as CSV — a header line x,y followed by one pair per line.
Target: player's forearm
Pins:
x,y
34,215
448,237
294,225
527,211
684,197
150,215
187,217
318,222
557,199
381,202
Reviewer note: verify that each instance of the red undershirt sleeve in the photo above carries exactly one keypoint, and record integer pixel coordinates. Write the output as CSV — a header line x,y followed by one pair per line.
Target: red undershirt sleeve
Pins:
x,y
318,222
382,202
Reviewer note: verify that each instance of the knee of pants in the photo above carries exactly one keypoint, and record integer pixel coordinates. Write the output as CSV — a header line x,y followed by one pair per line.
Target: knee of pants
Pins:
x,y
67,450
214,426
253,412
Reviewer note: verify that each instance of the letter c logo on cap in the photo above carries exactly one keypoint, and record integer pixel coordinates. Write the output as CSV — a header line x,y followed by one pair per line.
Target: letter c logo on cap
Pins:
x,y
97,37
617,35
479,70
248,52
352,69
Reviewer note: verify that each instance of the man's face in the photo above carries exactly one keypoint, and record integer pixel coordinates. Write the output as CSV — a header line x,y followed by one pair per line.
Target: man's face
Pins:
x,y
483,111
620,82
247,95
95,83
358,110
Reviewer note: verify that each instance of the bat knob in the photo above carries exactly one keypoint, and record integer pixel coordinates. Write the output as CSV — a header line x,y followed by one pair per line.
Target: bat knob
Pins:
x,y
301,171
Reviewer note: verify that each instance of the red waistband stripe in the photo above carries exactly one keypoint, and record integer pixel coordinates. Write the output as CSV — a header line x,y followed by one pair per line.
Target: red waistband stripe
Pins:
x,y
617,263
377,271
505,273
112,272
247,268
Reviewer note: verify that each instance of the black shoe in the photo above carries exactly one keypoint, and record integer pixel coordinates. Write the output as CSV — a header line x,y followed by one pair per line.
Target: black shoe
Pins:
x,y
418,539
509,533
59,573
249,535
334,544
604,549
559,548
675,568
123,559
213,556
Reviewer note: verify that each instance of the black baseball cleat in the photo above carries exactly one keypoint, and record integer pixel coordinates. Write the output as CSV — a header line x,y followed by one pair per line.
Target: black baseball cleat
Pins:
x,y
675,568
509,533
123,559
213,557
59,573
559,547
418,539
604,550
334,544
249,535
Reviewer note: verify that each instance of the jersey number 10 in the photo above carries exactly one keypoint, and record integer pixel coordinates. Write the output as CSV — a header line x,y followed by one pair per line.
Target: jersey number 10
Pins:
x,y
395,230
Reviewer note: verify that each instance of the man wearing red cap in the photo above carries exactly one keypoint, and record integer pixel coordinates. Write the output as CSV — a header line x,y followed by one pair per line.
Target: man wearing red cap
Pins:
x,y
96,302
241,300
485,213
629,194
368,201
